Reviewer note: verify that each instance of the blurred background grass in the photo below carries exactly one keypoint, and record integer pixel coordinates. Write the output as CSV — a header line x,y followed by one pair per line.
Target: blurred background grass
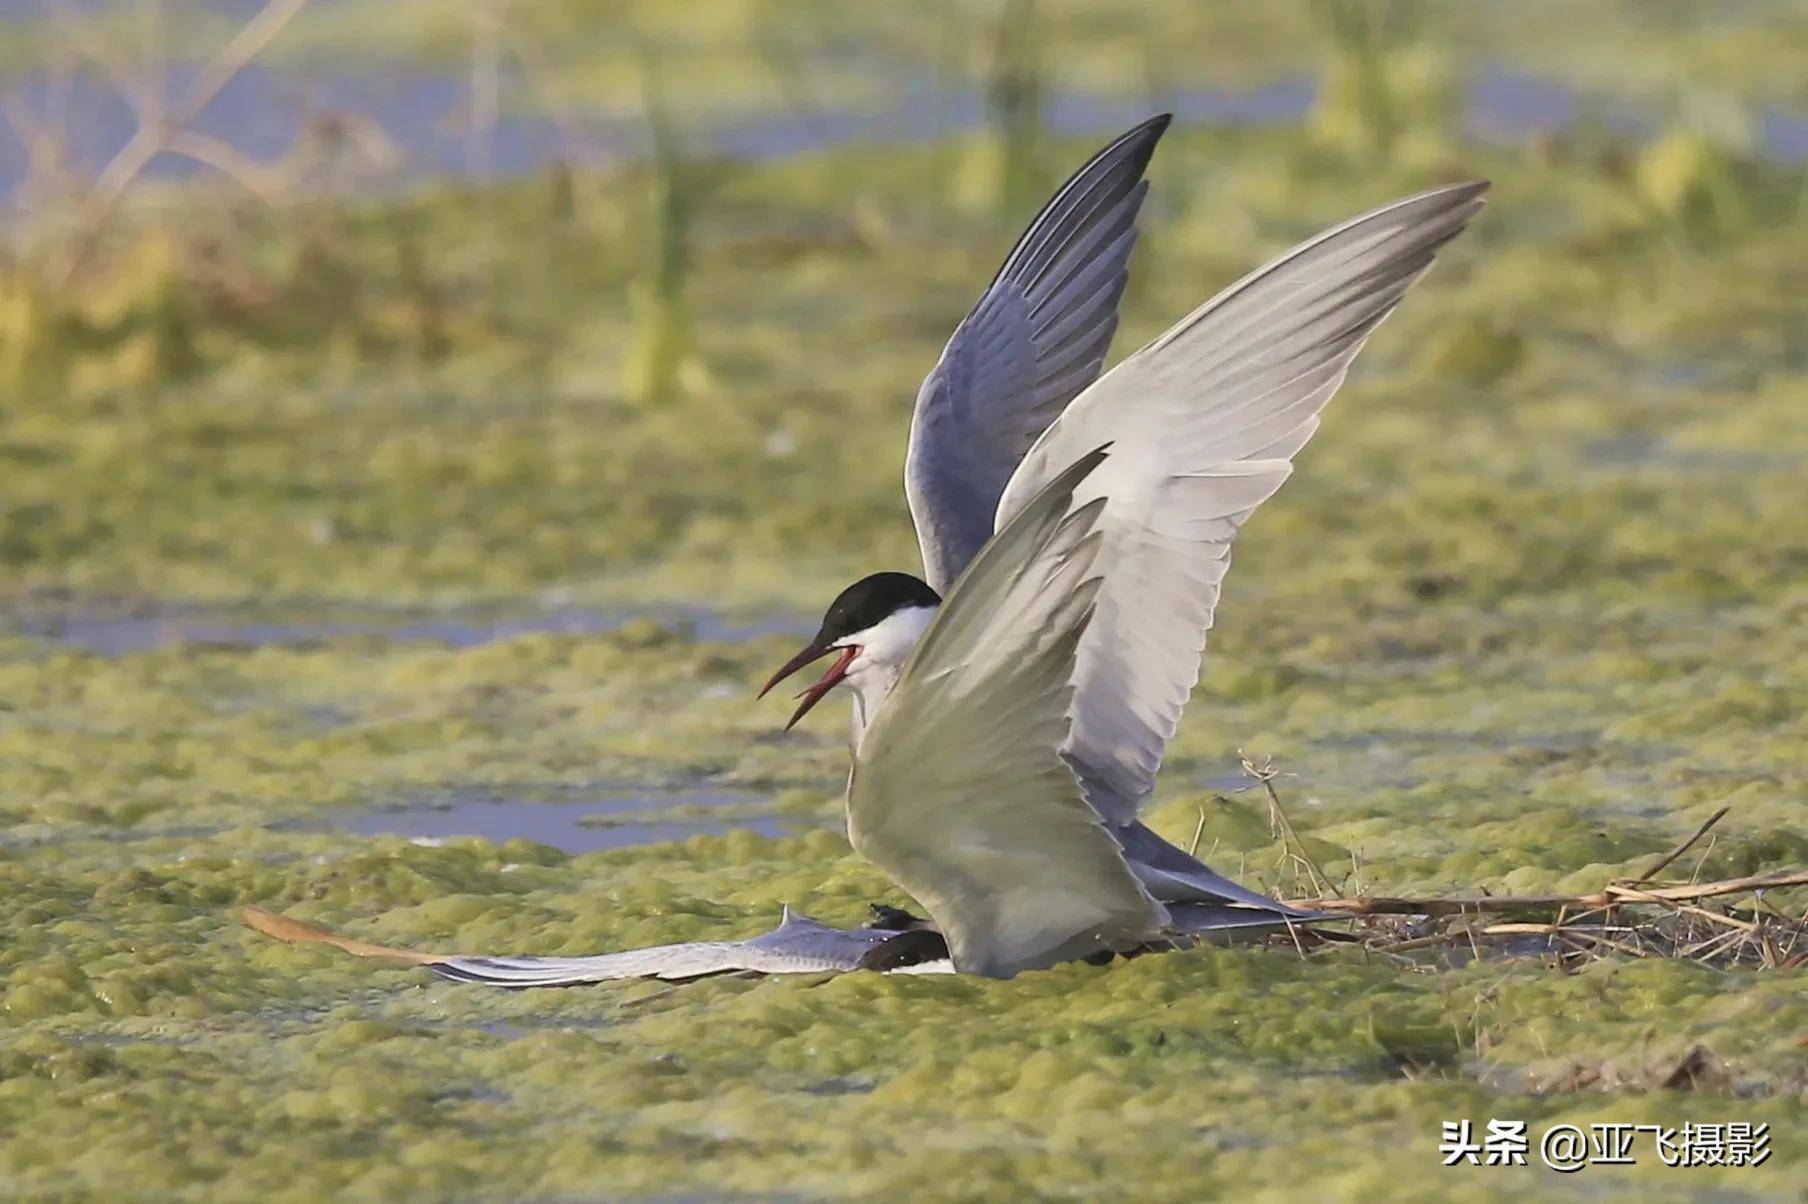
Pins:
x,y
451,299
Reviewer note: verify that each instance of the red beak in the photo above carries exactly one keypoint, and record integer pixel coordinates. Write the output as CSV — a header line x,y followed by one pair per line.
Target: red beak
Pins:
x,y
827,682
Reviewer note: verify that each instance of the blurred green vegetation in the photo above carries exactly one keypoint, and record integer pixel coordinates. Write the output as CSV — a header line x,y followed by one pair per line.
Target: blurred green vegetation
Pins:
x,y
442,391
1533,607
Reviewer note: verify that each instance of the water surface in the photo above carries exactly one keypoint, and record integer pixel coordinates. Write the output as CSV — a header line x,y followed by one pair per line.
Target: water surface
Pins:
x,y
264,110
148,626
573,827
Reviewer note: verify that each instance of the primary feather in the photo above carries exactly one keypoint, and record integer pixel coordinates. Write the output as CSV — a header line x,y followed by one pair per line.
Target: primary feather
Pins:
x,y
799,945
1035,339
1205,422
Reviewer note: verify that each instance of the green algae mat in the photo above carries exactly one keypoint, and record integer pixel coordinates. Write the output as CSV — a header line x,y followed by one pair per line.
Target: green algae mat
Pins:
x,y
1534,607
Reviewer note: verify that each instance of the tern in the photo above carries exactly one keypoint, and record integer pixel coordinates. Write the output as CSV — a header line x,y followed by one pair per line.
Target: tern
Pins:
x,y
1011,706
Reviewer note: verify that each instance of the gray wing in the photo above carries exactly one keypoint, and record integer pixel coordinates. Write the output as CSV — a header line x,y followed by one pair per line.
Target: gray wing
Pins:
x,y
1204,423
959,791
1035,339
799,945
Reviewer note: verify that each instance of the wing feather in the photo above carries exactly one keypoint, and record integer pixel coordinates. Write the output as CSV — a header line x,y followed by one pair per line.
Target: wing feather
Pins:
x,y
799,945
1204,423
1035,339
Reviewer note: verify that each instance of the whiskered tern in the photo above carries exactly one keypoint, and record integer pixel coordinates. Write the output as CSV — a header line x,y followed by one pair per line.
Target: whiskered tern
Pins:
x,y
1011,707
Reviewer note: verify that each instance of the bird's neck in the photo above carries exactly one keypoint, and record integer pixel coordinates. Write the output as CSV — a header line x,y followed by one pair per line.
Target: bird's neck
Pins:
x,y
875,671
869,689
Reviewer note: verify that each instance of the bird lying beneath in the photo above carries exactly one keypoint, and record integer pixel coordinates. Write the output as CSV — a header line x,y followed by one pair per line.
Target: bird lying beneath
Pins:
x,y
893,942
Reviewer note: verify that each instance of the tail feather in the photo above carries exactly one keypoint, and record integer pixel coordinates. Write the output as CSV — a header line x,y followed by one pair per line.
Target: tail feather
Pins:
x,y
1173,876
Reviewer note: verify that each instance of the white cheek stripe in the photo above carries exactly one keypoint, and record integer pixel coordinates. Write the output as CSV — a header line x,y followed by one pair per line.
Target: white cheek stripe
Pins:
x,y
889,641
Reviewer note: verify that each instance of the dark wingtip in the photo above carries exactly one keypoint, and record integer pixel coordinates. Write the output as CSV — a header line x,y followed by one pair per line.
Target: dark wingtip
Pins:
x,y
1470,189
1145,134
453,973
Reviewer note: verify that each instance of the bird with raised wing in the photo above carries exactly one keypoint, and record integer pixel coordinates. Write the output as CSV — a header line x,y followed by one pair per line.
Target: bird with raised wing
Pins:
x,y
1011,707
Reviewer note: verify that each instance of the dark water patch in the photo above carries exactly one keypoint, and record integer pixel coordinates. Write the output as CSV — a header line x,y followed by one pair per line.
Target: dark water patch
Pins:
x,y
845,1084
516,1028
264,111
1503,104
573,827
144,627
1646,452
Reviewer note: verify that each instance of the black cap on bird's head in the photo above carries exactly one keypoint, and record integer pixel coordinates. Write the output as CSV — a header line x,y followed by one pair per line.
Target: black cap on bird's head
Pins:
x,y
860,607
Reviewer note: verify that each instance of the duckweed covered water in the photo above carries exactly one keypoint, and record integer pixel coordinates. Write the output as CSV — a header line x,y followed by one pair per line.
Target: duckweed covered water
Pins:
x,y
1535,604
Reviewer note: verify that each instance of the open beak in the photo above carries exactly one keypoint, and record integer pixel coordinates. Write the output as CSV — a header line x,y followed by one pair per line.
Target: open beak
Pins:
x,y
827,682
